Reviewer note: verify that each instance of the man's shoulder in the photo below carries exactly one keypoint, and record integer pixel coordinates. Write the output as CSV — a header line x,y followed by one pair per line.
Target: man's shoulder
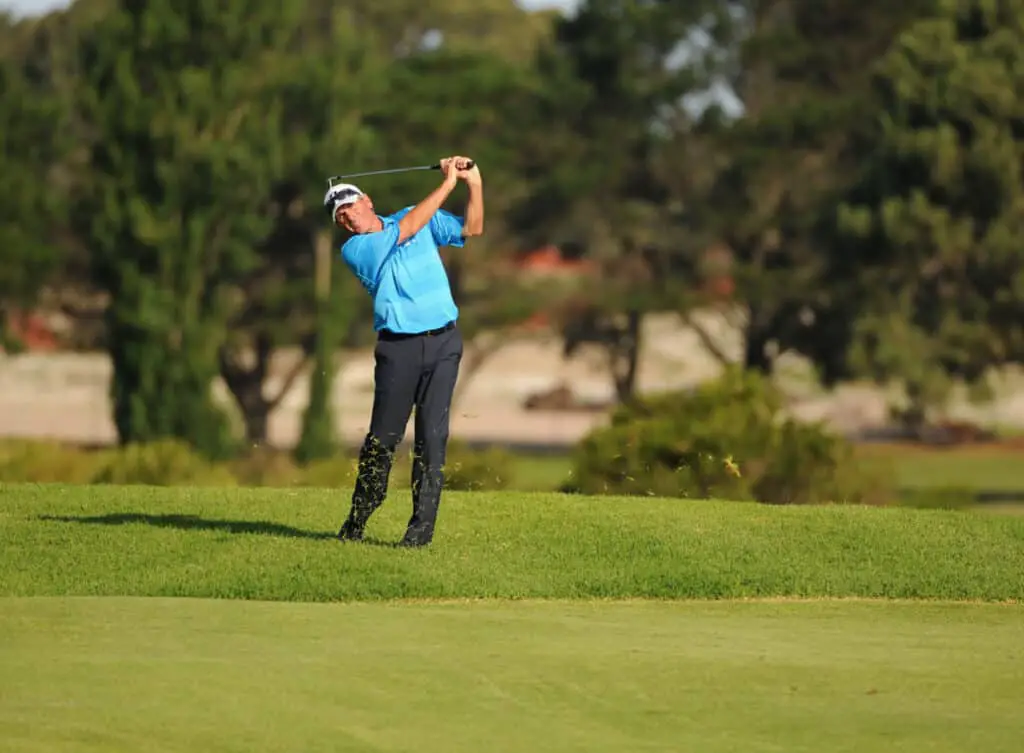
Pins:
x,y
359,240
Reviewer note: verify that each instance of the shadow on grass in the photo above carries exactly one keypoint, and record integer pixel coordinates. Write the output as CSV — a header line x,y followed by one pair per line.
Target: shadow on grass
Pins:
x,y
195,523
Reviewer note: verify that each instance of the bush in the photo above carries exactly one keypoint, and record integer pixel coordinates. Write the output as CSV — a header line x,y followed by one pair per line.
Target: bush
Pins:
x,y
337,471
41,462
265,467
726,439
467,469
167,462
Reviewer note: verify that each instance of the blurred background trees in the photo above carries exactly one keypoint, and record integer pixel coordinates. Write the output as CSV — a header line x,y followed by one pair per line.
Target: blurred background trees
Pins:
x,y
836,179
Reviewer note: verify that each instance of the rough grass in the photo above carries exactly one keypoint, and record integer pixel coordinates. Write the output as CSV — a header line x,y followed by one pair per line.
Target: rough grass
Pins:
x,y
279,545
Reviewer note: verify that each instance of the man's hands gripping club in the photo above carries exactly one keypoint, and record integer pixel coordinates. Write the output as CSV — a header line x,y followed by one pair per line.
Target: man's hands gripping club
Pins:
x,y
454,170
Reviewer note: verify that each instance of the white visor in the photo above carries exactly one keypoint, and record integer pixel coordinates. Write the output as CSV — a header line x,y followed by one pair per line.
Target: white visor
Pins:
x,y
341,195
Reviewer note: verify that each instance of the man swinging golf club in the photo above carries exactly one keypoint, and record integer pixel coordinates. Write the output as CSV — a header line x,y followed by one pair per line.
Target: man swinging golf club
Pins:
x,y
419,346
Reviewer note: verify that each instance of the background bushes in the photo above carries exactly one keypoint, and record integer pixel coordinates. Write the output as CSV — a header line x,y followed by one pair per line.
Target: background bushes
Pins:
x,y
174,463
726,439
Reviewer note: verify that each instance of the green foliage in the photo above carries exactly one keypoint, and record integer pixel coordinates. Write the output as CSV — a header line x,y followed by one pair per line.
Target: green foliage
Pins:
x,y
163,463
181,154
43,462
33,139
764,185
172,462
932,228
321,127
477,470
166,462
726,439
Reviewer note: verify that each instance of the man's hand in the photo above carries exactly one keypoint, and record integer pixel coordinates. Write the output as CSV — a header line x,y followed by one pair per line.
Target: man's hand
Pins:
x,y
471,176
450,171
456,166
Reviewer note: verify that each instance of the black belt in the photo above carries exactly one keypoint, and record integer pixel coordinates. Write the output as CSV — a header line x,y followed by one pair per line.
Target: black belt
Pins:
x,y
386,334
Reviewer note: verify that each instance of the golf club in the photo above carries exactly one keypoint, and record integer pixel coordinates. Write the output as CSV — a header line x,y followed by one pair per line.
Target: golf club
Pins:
x,y
335,178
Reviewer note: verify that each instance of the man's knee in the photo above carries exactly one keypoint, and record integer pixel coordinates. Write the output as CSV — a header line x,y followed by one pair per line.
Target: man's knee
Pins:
x,y
432,447
377,451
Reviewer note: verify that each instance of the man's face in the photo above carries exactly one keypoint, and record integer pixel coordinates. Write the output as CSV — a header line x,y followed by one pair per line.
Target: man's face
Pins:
x,y
357,217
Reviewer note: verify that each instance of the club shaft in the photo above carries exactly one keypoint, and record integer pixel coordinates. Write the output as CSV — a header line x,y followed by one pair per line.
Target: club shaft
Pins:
x,y
386,172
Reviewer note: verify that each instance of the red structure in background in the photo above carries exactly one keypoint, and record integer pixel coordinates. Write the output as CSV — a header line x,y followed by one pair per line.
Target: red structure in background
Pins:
x,y
32,330
548,261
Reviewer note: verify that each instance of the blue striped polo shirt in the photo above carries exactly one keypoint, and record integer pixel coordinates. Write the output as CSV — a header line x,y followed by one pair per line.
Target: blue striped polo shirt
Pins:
x,y
407,281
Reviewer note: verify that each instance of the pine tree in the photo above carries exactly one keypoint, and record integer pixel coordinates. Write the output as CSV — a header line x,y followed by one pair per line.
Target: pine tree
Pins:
x,y
933,228
183,147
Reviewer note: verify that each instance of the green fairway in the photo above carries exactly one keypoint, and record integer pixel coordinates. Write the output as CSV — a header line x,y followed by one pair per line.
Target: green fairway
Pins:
x,y
182,675
524,628
279,544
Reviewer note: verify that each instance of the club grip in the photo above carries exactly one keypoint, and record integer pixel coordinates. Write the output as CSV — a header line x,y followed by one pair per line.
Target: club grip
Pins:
x,y
469,166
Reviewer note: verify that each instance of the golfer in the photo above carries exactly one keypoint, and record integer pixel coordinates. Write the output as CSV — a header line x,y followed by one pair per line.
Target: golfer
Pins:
x,y
419,346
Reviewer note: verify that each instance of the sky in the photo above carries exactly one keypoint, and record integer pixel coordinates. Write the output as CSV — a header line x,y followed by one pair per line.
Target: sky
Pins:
x,y
32,7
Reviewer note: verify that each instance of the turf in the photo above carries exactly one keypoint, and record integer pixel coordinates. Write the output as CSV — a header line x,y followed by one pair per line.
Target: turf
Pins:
x,y
181,675
969,467
278,545
425,655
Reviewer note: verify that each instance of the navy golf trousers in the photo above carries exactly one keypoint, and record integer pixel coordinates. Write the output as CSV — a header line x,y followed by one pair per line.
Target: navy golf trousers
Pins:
x,y
412,372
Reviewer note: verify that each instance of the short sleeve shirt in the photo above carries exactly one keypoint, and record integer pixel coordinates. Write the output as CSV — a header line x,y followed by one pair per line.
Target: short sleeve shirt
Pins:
x,y
407,281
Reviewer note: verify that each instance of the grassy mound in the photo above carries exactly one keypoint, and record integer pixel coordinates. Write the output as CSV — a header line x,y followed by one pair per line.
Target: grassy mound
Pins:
x,y
279,545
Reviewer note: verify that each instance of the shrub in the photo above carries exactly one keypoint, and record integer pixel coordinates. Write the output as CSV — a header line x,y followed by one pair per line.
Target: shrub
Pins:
x,y
168,462
265,467
467,469
42,462
333,472
727,439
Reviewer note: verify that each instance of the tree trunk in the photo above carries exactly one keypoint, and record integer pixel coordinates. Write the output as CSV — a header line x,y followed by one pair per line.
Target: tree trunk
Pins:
x,y
626,358
245,382
318,437
755,357
256,425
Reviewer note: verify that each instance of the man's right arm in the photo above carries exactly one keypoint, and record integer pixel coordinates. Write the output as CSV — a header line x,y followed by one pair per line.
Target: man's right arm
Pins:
x,y
418,217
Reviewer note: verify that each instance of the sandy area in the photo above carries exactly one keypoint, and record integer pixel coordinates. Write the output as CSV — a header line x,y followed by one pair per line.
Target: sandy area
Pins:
x,y
64,396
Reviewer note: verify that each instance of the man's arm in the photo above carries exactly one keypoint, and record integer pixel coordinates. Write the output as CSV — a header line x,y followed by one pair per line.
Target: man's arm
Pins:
x,y
420,214
474,224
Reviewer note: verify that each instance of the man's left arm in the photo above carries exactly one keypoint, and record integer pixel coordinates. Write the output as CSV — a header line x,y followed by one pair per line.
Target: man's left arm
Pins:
x,y
474,224
451,230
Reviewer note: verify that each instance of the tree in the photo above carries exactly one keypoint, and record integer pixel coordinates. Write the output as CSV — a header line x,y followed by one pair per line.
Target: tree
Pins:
x,y
32,143
617,95
933,225
404,28
384,99
763,183
183,145
323,127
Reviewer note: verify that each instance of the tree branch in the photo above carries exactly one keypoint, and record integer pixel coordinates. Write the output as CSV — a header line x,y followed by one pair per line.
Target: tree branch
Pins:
x,y
289,382
706,339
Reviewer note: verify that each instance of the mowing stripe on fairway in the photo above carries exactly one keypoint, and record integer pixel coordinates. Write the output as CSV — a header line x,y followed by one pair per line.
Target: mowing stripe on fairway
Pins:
x,y
129,674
